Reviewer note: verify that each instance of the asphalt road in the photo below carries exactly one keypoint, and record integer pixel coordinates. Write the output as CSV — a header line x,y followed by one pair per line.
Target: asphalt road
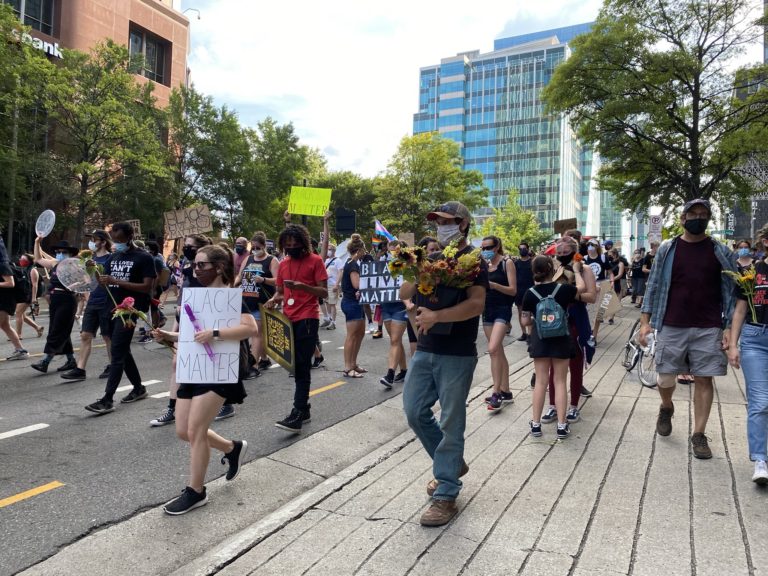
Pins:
x,y
111,467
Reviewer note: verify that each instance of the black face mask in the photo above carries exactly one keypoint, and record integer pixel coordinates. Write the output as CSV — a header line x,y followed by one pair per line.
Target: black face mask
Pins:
x,y
565,259
206,277
294,252
189,252
697,226
524,252
240,249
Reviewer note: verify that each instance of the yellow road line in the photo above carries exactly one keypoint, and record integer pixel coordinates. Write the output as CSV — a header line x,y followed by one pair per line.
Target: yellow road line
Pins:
x,y
326,388
29,493
37,354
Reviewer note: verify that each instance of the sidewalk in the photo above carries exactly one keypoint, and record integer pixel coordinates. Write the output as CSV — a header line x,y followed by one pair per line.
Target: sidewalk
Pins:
x,y
612,499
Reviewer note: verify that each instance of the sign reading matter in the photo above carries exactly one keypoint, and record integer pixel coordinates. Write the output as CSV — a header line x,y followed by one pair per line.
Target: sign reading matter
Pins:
x,y
181,223
377,285
309,201
213,309
278,337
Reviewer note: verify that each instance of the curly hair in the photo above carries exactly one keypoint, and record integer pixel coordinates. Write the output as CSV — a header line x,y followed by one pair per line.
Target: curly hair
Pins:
x,y
300,234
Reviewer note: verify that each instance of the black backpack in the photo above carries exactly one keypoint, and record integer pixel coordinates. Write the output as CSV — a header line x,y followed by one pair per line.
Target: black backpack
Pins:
x,y
22,284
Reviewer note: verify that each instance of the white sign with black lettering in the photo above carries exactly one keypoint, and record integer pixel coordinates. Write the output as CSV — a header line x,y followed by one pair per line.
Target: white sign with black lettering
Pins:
x,y
377,285
212,308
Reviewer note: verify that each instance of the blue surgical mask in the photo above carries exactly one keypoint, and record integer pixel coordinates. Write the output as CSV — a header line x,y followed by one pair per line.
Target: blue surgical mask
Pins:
x,y
60,256
487,254
742,252
120,246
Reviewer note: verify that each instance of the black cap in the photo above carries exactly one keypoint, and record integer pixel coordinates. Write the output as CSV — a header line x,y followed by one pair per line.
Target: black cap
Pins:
x,y
698,202
64,245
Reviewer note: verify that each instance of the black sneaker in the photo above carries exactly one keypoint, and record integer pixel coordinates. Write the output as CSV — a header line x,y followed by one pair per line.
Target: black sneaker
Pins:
x,y
68,365
167,417
146,339
264,365
74,374
306,416
189,500
523,337
535,428
100,407
235,458
40,366
400,376
292,422
563,431
134,395
377,334
226,411
105,372
253,372
586,392
387,380
317,362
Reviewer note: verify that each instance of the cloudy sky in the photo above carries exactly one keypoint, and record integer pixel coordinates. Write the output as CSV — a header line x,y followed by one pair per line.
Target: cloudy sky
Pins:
x,y
346,72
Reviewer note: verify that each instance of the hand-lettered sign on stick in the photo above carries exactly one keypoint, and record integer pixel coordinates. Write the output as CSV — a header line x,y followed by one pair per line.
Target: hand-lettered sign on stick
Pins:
x,y
193,220
309,201
212,309
377,285
278,337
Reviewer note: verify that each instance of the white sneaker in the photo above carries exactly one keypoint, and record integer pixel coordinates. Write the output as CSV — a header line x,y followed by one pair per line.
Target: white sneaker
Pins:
x,y
760,476
325,322
331,326
371,327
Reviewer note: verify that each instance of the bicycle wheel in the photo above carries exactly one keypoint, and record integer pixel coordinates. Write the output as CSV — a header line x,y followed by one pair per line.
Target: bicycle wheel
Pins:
x,y
647,369
632,348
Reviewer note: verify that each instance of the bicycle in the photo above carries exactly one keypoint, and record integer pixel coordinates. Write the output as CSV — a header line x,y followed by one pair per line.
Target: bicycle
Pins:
x,y
643,357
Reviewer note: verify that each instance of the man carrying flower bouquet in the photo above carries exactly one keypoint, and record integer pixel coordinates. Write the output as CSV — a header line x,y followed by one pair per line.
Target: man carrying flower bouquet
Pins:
x,y
130,273
446,355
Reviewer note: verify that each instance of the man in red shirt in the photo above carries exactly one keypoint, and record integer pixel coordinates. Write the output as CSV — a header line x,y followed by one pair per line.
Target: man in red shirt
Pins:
x,y
301,280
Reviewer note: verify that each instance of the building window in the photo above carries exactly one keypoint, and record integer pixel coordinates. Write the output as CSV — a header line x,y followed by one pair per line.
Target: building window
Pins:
x,y
154,51
38,14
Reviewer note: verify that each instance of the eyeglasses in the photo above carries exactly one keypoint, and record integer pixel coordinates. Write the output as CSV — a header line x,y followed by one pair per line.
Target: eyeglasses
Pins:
x,y
488,247
200,265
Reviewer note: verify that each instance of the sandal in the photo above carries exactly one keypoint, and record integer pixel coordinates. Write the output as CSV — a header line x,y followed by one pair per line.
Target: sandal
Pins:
x,y
352,374
360,370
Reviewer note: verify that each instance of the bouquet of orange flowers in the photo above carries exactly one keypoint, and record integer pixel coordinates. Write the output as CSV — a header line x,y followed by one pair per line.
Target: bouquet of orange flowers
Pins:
x,y
745,280
449,270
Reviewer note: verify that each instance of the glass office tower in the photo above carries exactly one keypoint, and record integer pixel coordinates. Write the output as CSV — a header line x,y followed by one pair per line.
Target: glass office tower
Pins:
x,y
491,105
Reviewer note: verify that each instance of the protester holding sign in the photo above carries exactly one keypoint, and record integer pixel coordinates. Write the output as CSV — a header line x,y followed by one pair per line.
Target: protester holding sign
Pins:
x,y
130,273
301,280
62,309
199,403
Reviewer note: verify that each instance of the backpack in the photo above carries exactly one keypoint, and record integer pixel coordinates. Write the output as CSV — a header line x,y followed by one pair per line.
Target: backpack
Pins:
x,y
22,284
551,319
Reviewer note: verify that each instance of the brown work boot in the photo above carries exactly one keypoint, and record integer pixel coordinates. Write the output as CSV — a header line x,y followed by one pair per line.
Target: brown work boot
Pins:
x,y
700,446
432,484
664,421
439,513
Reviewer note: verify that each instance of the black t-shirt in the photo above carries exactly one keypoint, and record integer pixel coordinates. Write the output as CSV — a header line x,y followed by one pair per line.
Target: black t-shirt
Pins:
x,y
347,289
461,340
694,299
648,261
523,275
131,266
599,265
565,296
637,268
760,299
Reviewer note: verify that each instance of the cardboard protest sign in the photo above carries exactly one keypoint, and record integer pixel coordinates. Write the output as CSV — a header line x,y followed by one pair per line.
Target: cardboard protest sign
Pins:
x,y
608,302
561,226
309,201
277,332
213,308
181,223
408,237
377,285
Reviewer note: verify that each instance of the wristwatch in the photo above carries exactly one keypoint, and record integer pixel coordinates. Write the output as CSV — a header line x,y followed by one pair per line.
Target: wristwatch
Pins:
x,y
216,335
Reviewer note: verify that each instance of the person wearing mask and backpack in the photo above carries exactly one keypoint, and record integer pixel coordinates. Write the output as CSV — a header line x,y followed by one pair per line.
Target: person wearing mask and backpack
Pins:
x,y
27,280
7,305
551,345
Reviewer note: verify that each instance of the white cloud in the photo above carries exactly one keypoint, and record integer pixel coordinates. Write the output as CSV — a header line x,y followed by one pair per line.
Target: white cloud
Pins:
x,y
346,72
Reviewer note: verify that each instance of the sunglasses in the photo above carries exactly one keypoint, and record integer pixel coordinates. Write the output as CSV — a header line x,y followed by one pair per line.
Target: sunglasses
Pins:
x,y
201,265
491,247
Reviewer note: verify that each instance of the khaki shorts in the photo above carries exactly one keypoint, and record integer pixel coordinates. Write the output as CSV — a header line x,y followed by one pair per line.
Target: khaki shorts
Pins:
x,y
696,351
332,297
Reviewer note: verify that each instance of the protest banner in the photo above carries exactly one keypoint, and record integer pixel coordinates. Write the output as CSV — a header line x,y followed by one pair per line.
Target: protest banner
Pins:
x,y
377,285
278,337
562,226
213,308
608,302
193,220
408,237
136,224
309,201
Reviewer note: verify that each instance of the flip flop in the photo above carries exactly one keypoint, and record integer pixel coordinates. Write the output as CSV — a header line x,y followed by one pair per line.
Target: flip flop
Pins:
x,y
352,374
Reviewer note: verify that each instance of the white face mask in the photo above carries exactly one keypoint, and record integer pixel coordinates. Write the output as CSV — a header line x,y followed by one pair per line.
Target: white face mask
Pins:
x,y
447,233
92,246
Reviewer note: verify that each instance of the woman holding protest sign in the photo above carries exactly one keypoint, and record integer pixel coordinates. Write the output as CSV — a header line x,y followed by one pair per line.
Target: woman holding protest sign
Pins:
x,y
198,404
351,307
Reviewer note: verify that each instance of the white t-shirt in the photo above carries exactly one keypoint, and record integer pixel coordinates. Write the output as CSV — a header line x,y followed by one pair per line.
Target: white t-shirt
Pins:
x,y
334,267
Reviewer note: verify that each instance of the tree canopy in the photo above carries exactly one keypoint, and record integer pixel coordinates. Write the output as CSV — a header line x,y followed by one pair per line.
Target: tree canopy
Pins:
x,y
514,224
654,87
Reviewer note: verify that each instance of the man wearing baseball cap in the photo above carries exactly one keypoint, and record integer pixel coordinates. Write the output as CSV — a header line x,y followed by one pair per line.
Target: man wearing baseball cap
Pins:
x,y
442,369
687,297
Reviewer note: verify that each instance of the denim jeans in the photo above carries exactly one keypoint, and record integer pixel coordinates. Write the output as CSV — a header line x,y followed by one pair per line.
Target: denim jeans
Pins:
x,y
432,377
122,359
304,341
753,349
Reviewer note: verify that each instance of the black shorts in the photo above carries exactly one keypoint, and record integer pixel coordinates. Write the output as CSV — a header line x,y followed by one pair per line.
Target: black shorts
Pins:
x,y
97,317
7,301
232,393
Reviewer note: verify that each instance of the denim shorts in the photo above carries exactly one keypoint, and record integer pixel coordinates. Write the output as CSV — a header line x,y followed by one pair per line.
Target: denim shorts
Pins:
x,y
394,311
493,314
352,309
256,313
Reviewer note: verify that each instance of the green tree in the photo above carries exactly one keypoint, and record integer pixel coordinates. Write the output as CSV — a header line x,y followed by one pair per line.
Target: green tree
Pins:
x,y
425,171
652,87
353,192
107,130
514,224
